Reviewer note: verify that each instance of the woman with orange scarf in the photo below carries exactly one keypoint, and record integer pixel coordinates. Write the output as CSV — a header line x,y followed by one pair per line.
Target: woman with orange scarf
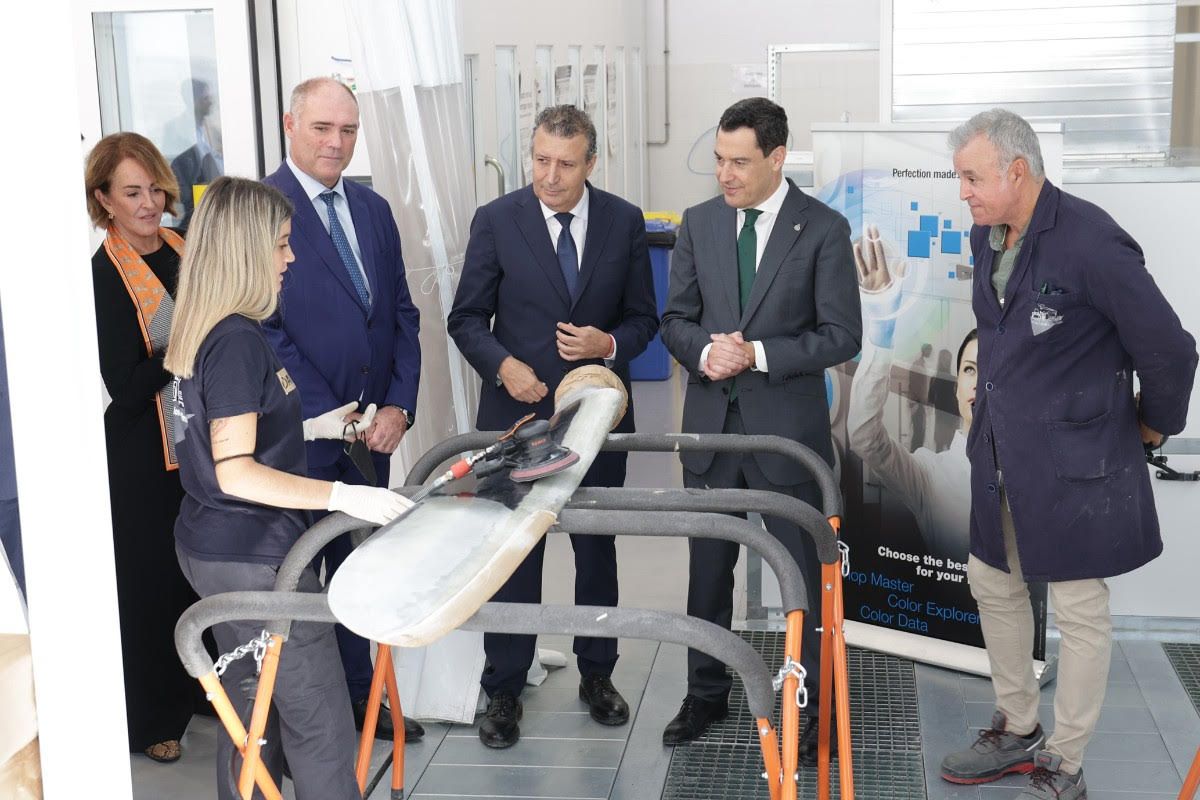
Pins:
x,y
134,275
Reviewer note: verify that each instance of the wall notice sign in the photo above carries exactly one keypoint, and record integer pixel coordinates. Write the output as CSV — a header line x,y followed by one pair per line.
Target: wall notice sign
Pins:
x,y
564,85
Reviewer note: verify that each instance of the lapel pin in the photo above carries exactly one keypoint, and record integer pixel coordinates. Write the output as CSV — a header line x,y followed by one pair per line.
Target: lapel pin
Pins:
x,y
797,226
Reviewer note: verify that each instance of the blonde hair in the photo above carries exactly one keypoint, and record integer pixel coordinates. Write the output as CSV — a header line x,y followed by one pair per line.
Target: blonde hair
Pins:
x,y
108,154
228,267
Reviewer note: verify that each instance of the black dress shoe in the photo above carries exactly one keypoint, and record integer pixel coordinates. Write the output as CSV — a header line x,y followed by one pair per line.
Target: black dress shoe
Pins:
x,y
693,719
605,703
809,741
499,728
413,730
383,728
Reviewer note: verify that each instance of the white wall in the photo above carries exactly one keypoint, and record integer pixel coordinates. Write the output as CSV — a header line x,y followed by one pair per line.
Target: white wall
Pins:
x,y
314,40
706,38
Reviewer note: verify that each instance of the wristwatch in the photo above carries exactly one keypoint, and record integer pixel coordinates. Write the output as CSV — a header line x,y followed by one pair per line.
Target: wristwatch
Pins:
x,y
408,415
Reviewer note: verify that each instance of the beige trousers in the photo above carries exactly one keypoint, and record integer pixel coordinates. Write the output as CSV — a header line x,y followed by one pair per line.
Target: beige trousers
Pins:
x,y
1081,612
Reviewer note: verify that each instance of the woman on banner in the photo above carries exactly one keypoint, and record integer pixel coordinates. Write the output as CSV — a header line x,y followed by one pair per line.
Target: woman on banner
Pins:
x,y
242,460
134,276
935,486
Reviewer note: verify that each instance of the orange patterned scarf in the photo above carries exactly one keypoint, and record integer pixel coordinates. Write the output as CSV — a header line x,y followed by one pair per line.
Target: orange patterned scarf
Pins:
x,y
154,308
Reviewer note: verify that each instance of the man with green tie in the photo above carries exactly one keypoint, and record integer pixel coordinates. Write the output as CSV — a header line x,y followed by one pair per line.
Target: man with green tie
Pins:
x,y
762,299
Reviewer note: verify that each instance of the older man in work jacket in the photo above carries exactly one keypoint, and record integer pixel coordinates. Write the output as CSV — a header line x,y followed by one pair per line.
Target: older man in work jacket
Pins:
x,y
1067,315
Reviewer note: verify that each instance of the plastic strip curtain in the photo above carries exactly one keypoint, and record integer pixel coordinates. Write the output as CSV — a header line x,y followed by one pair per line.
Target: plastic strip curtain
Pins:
x,y
409,66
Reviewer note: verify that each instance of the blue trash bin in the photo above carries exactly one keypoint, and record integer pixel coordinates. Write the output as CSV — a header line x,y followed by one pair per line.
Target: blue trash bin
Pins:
x,y
654,363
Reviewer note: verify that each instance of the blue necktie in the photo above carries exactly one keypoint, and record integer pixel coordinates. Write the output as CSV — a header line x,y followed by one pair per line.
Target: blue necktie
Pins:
x,y
568,257
342,244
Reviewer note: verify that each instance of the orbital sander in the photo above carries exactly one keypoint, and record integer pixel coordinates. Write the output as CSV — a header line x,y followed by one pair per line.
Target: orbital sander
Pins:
x,y
535,454
527,448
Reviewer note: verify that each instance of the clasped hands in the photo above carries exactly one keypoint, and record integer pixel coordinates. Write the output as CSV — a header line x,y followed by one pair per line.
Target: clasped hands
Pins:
x,y
574,342
728,355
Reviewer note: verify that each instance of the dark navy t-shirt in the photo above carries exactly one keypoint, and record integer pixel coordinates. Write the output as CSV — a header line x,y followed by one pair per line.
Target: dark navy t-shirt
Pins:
x,y
237,373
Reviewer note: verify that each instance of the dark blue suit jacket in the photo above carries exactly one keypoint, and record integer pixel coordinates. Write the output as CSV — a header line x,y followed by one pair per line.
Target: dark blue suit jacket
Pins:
x,y
1056,411
512,294
334,349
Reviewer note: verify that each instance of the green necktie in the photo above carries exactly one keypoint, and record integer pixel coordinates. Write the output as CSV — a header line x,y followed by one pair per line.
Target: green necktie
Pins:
x,y
747,250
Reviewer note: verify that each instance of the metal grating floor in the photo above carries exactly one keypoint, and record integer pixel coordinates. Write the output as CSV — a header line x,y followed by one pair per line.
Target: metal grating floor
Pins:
x,y
1185,658
886,735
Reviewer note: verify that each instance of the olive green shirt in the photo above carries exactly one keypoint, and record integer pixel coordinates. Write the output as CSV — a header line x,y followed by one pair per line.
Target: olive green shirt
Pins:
x,y
1003,267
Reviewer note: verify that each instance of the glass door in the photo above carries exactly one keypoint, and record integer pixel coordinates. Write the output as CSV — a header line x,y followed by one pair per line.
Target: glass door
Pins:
x,y
155,68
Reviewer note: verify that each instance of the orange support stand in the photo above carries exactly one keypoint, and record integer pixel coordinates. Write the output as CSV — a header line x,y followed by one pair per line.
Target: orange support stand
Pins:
x,y
790,712
770,754
237,732
393,691
367,741
828,625
385,673
251,759
1188,791
841,682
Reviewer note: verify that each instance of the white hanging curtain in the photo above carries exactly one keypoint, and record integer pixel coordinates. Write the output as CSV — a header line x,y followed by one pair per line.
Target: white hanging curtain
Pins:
x,y
409,69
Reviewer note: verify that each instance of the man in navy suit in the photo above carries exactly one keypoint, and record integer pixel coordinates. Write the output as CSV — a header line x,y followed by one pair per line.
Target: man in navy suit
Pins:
x,y
556,275
1060,492
346,328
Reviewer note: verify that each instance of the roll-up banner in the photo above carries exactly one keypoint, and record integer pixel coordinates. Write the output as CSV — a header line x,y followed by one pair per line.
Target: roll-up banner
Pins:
x,y
901,409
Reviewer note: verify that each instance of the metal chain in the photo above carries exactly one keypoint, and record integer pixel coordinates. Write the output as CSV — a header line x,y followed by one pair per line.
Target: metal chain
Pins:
x,y
791,667
844,549
257,646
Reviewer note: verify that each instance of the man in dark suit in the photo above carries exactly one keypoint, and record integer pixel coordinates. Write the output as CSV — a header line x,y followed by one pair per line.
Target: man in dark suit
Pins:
x,y
762,299
346,328
556,275
1060,492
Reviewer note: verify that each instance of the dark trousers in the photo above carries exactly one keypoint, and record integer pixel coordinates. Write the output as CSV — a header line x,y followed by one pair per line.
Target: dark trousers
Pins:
x,y
510,656
710,570
310,722
355,650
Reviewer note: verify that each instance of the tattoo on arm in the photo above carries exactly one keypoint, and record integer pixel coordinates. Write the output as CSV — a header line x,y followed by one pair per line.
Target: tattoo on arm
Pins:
x,y
216,429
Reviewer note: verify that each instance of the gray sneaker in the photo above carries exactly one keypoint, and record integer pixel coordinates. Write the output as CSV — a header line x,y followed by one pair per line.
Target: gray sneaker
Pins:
x,y
1049,782
994,754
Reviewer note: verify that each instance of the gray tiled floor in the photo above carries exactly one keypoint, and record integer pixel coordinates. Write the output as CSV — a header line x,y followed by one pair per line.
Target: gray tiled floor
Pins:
x,y
1146,738
1144,742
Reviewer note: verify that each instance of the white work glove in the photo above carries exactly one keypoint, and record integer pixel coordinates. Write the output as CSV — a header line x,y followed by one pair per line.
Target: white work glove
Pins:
x,y
368,503
332,424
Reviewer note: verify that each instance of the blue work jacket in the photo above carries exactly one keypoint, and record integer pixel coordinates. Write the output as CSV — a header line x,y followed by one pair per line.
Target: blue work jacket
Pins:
x,y
1055,415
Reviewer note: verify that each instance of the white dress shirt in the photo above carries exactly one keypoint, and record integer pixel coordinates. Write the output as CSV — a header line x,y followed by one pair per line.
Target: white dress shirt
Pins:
x,y
762,232
314,189
579,224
